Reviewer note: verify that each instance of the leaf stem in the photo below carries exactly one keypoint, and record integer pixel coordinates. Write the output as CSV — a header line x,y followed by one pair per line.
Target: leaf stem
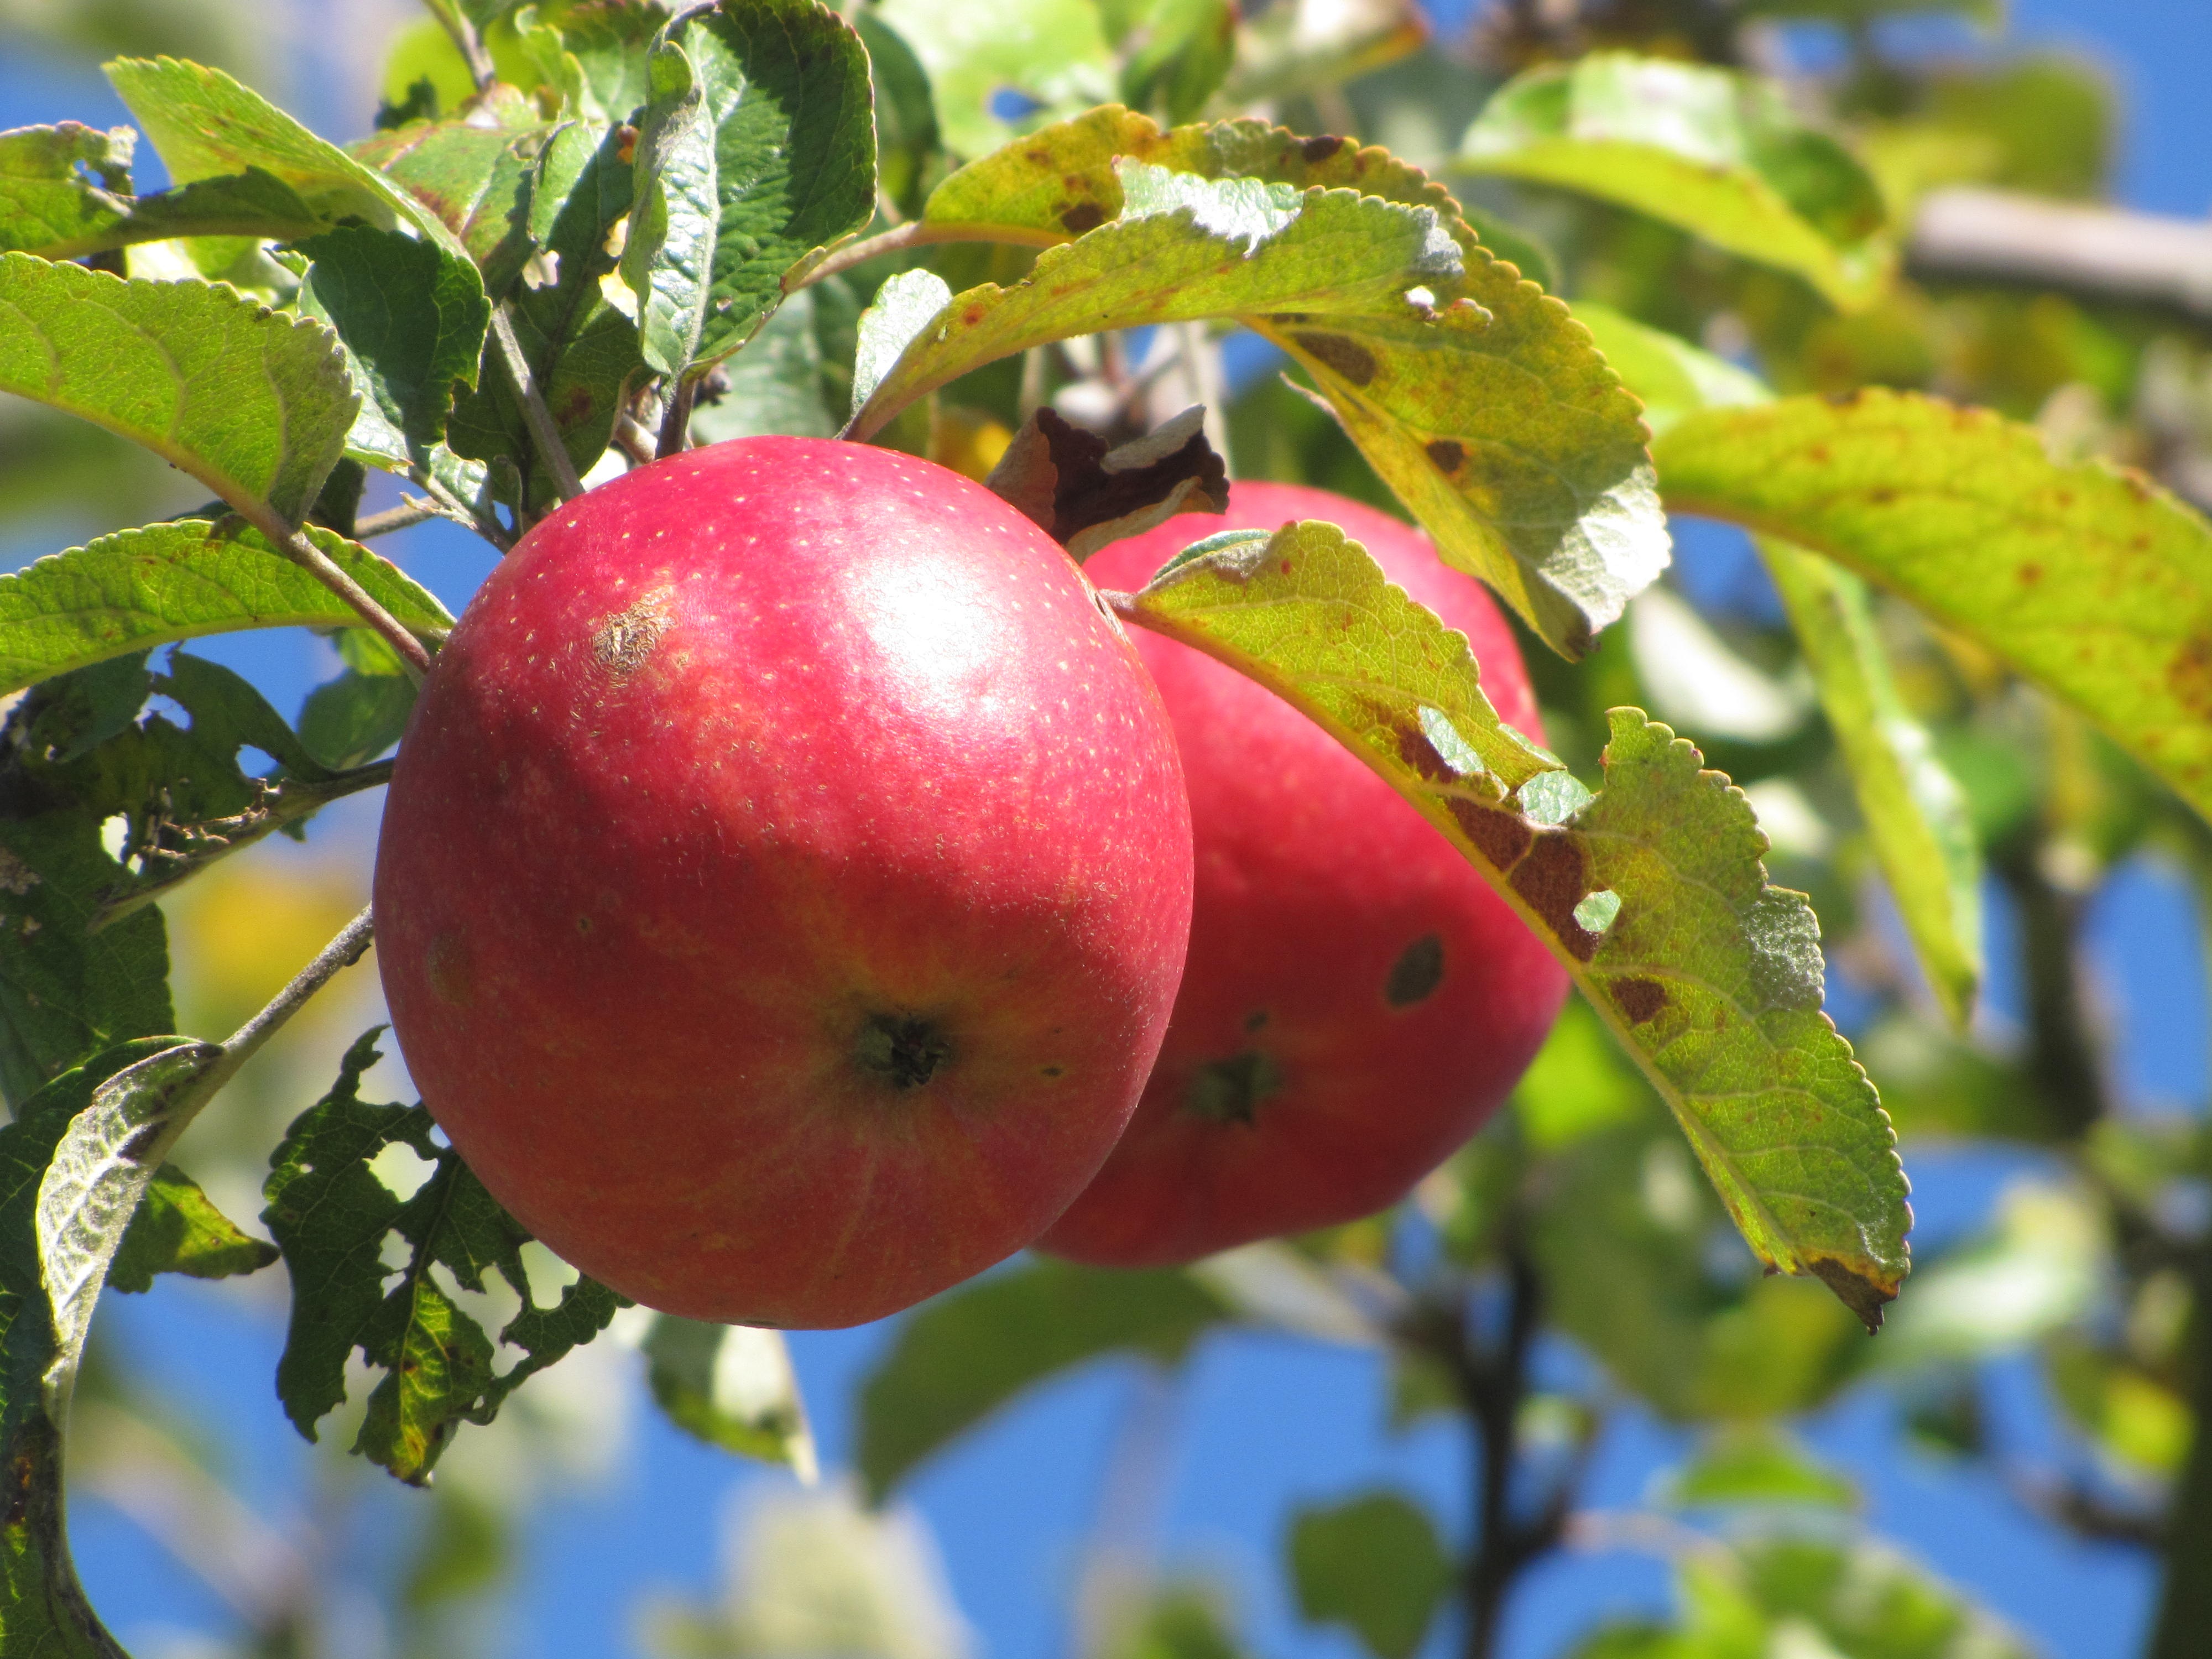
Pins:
x,y
543,435
914,232
295,546
405,516
482,70
351,944
676,424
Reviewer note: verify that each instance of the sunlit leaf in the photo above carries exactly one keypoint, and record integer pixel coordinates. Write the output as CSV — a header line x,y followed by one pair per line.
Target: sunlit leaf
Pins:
x,y
1652,894
756,150
43,1609
732,1387
181,581
1758,1465
2092,581
997,66
253,404
1721,155
1477,398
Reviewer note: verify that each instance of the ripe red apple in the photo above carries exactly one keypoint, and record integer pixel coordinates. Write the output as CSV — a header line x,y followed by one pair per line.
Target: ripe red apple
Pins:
x,y
1356,1000
784,882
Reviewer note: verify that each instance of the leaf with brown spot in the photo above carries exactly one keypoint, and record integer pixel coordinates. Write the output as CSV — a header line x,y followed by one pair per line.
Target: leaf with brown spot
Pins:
x,y
1951,508
1084,495
1709,976
1551,501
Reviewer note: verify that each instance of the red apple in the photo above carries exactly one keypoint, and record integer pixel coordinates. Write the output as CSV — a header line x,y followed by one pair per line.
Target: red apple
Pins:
x,y
1357,999
784,882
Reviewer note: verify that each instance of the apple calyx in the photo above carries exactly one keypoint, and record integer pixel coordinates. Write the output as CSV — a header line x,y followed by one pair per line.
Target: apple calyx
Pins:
x,y
904,1050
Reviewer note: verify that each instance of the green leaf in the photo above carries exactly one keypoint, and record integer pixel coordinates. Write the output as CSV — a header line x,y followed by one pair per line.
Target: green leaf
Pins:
x,y
1182,1618
204,124
47,201
732,1387
1049,54
1640,1271
1916,812
668,259
2038,1269
100,1168
330,1213
1758,1464
1651,894
475,176
410,318
1183,54
1374,1565
909,150
178,1229
1193,248
2089,580
253,404
66,993
1476,399
757,151
583,349
351,720
1672,377
1720,154
42,1609
181,581
961,1357
778,383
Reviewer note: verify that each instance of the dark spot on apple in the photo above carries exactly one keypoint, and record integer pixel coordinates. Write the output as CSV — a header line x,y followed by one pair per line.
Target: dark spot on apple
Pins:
x,y
1447,455
1230,1090
452,973
584,925
1083,216
904,1050
1416,973
1053,1071
1347,357
1639,999
623,642
1255,1021
1321,148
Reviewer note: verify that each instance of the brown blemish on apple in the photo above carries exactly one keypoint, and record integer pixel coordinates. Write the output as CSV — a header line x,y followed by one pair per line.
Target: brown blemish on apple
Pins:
x,y
1416,973
623,642
1230,1090
451,971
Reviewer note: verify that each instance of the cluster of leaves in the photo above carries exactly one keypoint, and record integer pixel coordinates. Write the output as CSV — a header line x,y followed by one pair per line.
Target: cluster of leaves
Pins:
x,y
585,231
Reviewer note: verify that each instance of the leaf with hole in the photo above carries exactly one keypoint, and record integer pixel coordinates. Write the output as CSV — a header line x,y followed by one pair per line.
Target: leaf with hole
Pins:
x,y
1651,893
330,1213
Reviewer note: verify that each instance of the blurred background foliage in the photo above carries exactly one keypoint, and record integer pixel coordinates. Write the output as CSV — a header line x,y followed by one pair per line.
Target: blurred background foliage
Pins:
x,y
1550,1406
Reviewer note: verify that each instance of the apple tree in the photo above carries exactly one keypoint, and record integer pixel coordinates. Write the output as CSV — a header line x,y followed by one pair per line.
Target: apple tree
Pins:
x,y
586,237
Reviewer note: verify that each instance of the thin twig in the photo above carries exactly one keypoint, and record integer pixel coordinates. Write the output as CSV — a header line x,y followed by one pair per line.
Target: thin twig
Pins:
x,y
676,424
632,438
914,232
482,70
406,516
413,657
460,511
543,435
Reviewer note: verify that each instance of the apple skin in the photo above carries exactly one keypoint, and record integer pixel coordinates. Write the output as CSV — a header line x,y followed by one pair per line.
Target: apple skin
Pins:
x,y
784,882
1345,961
